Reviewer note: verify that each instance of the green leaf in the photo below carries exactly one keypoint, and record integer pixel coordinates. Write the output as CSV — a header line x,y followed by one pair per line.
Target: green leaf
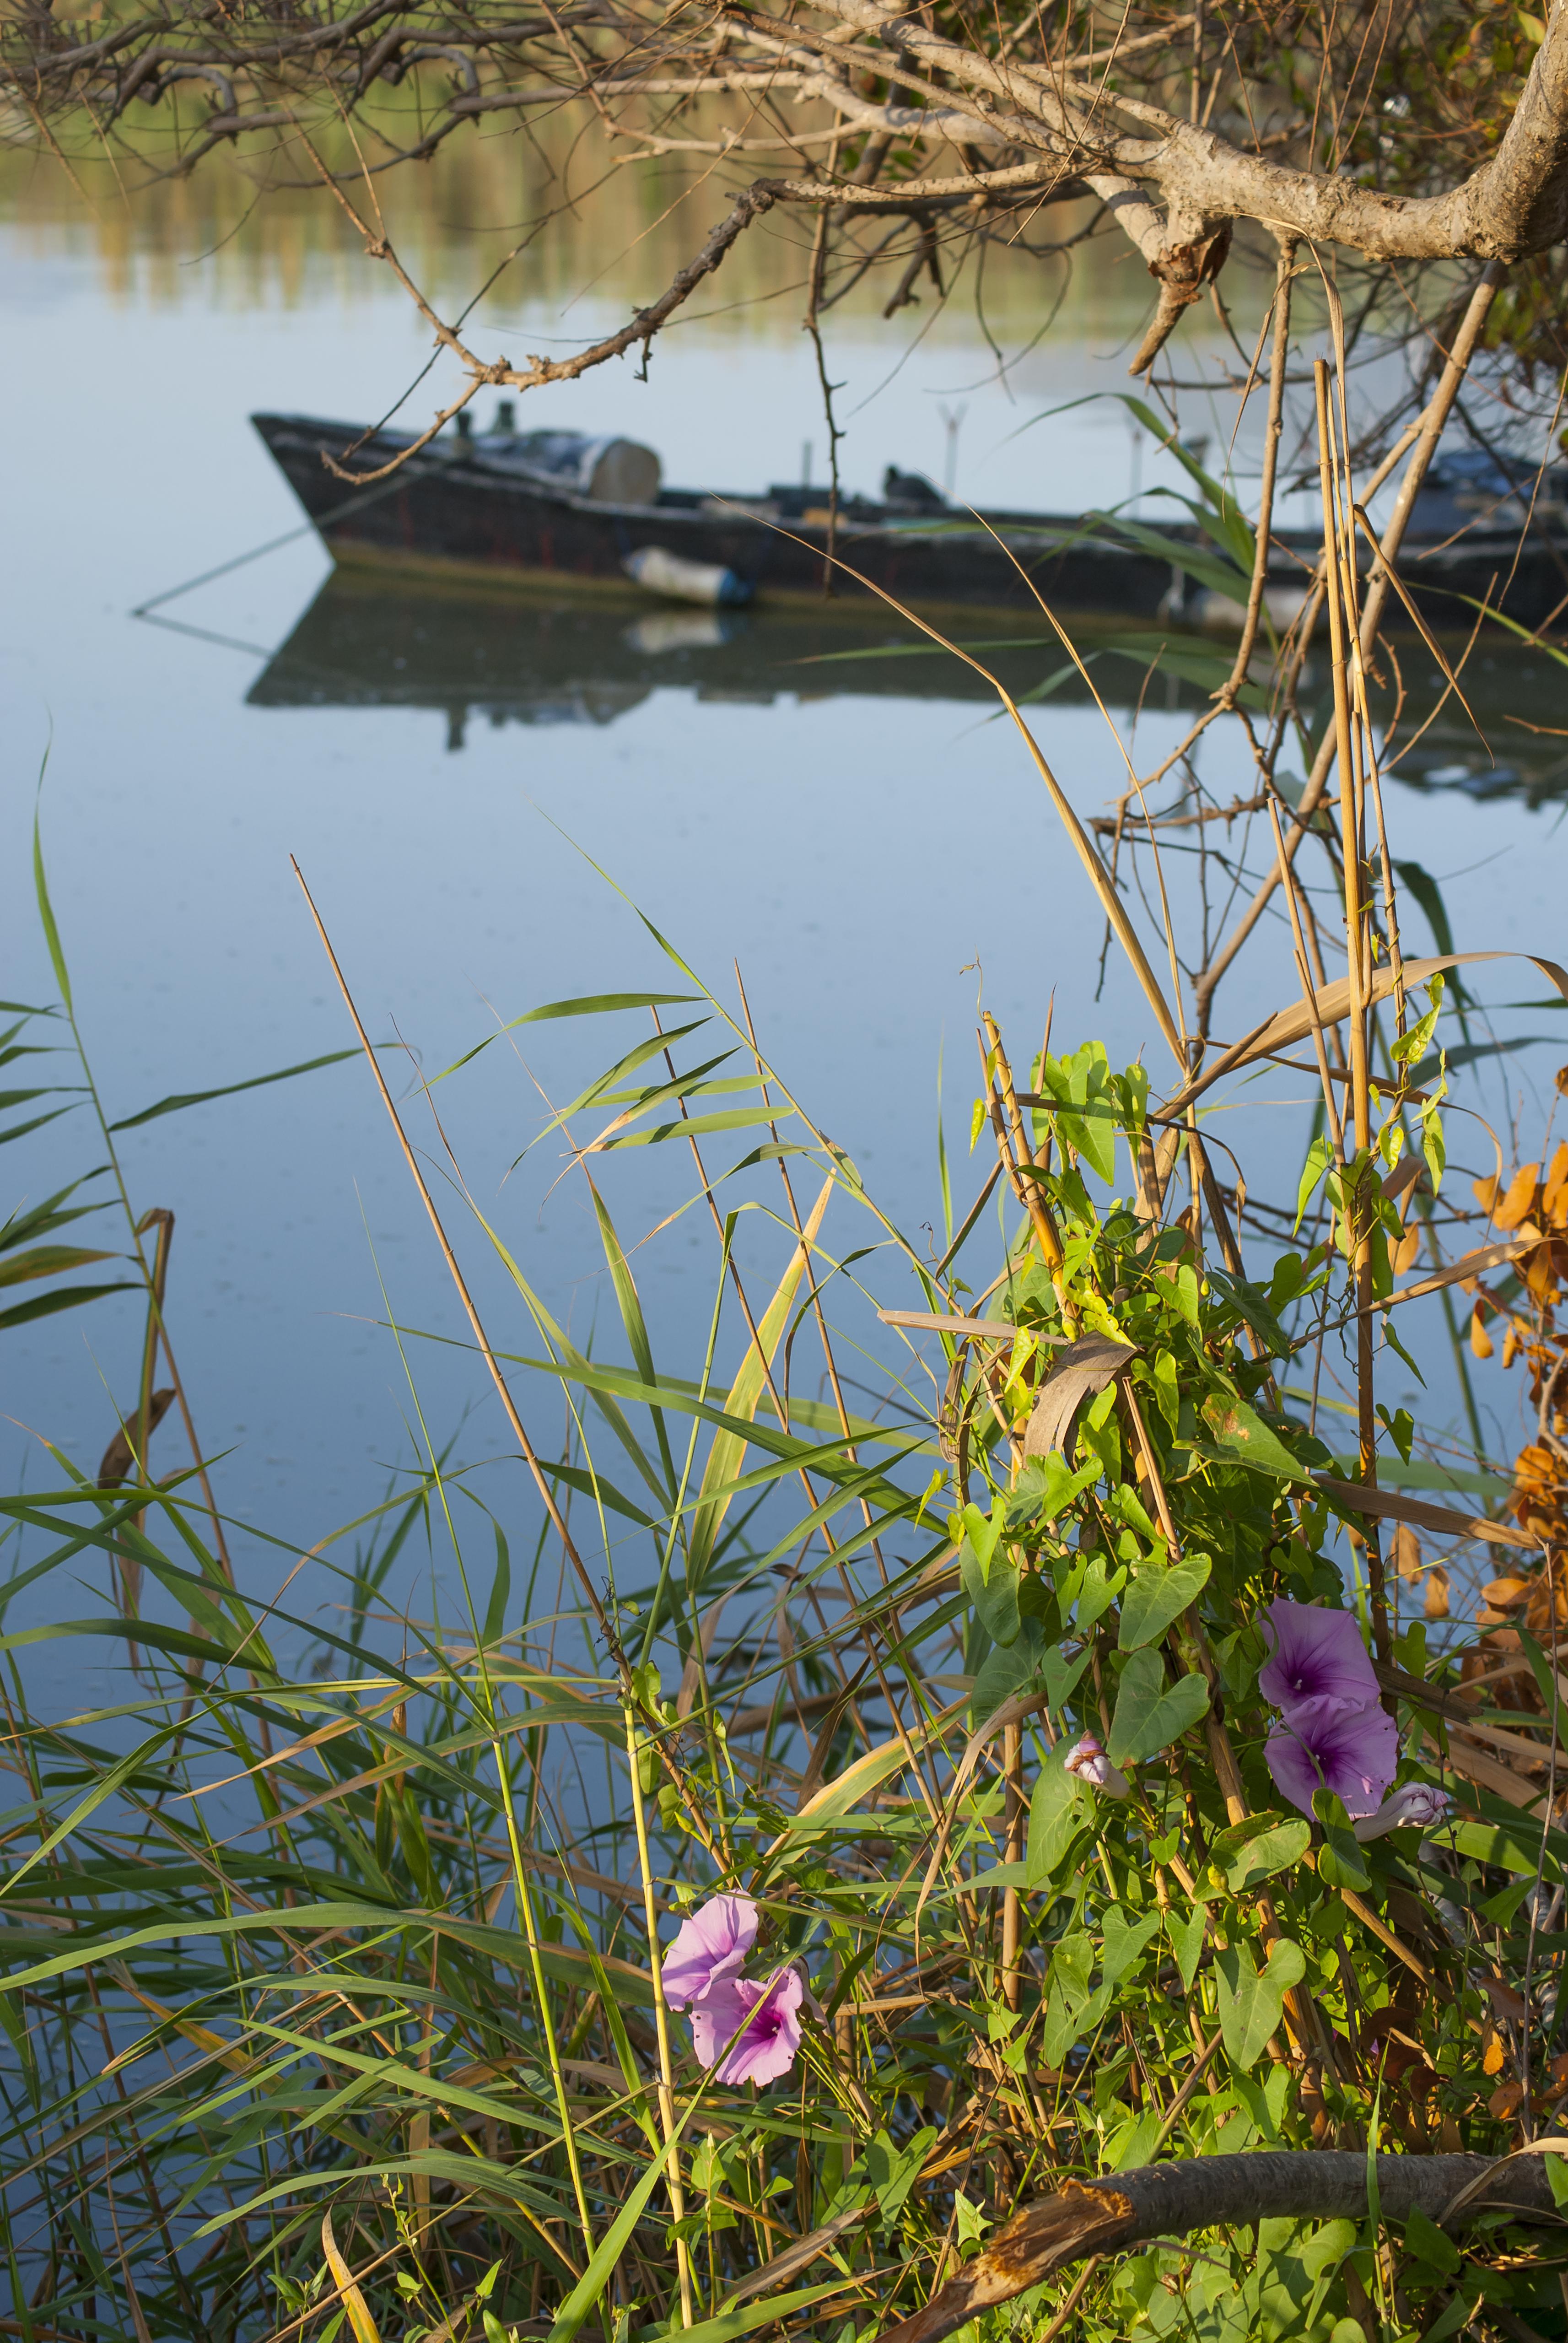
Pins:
x,y
1426,2240
694,1126
63,1297
1149,1715
1124,1942
1157,1596
1068,1998
983,1532
1045,1488
255,1082
1244,1438
994,1594
1251,2000
1320,1156
731,2323
1097,1592
1056,1816
1187,1943
1267,1852
601,1004
46,914
1062,1674
48,1261
1341,1863
615,2241
893,2171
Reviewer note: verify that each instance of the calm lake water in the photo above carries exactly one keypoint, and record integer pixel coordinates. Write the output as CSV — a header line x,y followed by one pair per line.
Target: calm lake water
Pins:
x,y
872,846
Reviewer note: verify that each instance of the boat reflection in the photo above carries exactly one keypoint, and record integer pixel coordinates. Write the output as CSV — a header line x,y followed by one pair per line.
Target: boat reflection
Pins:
x,y
517,657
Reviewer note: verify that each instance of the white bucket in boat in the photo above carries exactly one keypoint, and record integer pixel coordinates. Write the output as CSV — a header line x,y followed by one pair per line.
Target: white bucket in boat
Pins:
x,y
679,581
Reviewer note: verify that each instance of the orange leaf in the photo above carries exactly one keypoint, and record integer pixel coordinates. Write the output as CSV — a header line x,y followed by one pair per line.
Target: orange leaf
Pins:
x,y
1555,1200
1521,1195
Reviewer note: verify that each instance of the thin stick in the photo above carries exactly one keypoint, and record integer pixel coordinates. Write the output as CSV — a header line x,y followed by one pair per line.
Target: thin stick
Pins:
x,y
1284,279
1288,881
662,2022
1425,437
525,1445
1356,943
1013,1773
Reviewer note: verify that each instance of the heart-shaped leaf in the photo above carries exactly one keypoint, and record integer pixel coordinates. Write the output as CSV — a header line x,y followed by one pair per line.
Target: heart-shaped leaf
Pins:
x,y
1239,1432
1157,1598
1266,1853
1150,1713
1098,1592
1055,1817
993,1591
1124,1940
1251,1999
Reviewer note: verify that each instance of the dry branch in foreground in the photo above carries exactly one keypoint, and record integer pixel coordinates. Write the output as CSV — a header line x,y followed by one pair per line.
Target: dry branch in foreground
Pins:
x,y
1171,2200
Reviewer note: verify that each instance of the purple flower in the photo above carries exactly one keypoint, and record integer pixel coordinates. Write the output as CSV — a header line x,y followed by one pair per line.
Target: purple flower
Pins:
x,y
1351,1751
708,1950
1318,1656
1420,1803
1089,1761
748,2032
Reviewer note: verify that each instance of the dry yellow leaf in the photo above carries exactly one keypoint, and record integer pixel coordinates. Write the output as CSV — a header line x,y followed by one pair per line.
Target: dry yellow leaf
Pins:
x,y
1516,1203
359,2318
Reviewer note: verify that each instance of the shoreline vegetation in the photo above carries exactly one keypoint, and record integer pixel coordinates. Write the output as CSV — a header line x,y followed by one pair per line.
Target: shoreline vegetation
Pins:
x,y
953,1805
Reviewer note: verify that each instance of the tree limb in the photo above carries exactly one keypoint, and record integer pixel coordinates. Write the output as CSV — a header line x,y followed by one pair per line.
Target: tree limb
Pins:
x,y
1210,2192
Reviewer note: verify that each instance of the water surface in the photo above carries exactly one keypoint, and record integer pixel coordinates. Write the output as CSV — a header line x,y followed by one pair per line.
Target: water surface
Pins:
x,y
869,843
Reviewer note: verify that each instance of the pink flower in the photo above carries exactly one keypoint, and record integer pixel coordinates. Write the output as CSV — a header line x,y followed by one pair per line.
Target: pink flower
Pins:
x,y
1089,1763
748,2032
1421,1805
708,1950
1318,1656
1318,1744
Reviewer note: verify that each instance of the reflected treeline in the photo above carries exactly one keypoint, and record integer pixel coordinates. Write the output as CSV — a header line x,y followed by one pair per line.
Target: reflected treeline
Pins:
x,y
259,223
546,658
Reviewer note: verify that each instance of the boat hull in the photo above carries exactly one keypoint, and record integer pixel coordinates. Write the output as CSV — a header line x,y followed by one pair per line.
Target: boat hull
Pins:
x,y
449,512
465,518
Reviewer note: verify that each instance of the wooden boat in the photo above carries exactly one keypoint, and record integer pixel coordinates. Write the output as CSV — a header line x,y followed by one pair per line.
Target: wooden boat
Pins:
x,y
503,507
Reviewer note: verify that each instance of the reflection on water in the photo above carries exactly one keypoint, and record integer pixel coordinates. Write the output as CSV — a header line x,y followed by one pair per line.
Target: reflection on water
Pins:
x,y
854,841
245,228
541,656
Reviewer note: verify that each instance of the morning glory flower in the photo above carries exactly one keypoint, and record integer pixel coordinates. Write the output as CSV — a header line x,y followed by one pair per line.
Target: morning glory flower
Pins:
x,y
746,2031
708,1950
1421,1805
1089,1761
1319,1656
1351,1751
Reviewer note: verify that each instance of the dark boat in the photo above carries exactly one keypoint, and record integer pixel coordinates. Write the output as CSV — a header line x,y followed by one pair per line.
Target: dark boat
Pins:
x,y
504,506
377,638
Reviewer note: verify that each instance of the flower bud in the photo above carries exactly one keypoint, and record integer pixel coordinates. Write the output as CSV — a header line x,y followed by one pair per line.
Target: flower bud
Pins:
x,y
1089,1761
1420,1805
